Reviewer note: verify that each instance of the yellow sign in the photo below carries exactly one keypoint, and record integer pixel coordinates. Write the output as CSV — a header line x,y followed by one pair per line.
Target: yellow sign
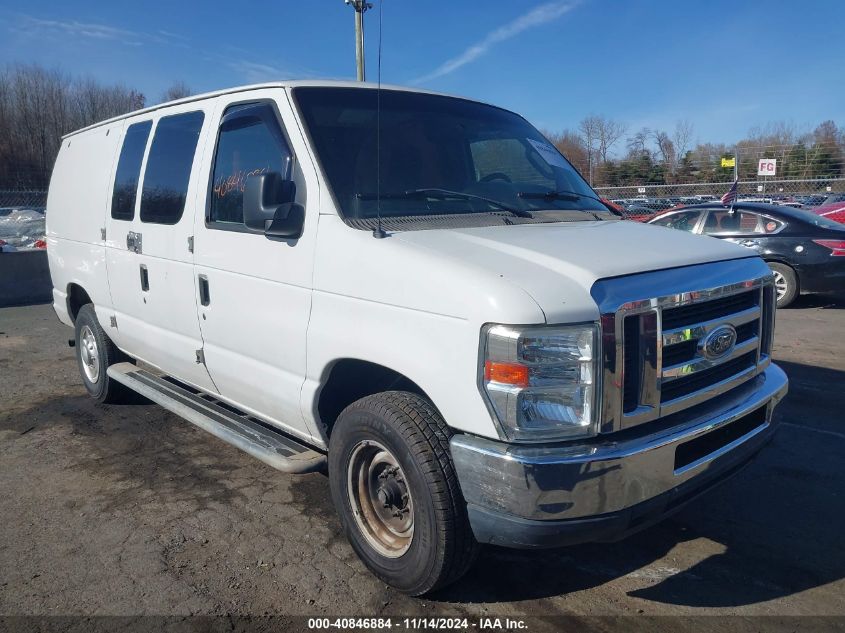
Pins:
x,y
729,162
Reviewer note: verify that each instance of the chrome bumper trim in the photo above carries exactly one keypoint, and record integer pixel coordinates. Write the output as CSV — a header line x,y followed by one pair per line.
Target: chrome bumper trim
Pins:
x,y
569,481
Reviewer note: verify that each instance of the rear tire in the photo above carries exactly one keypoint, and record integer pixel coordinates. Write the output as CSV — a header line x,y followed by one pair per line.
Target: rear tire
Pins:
x,y
395,489
95,353
786,283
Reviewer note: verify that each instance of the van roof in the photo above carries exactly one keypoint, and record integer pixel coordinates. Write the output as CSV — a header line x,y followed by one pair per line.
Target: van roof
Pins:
x,y
273,84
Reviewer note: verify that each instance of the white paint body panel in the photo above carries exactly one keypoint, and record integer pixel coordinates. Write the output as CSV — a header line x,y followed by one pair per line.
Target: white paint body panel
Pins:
x,y
558,264
167,313
282,313
77,204
254,326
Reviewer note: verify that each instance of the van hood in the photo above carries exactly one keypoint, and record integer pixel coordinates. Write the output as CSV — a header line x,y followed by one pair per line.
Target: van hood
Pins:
x,y
547,260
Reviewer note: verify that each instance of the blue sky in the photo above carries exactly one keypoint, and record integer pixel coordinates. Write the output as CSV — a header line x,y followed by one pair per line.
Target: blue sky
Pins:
x,y
726,66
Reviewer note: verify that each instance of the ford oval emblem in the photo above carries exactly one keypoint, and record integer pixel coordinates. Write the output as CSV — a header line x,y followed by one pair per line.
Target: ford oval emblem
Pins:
x,y
719,342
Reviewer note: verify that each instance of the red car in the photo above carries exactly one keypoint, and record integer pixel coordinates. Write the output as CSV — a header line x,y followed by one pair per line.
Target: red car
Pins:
x,y
835,211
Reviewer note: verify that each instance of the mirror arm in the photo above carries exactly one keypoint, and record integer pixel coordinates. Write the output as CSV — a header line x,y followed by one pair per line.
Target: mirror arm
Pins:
x,y
288,221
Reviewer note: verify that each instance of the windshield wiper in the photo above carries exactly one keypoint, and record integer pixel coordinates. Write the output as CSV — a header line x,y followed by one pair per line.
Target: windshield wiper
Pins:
x,y
551,195
570,196
444,194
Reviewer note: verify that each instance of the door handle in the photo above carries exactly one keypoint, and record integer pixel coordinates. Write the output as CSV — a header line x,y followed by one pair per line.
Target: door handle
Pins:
x,y
133,242
749,243
205,297
145,278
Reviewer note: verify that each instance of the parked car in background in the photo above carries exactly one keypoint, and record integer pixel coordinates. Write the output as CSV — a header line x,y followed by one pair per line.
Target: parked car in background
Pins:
x,y
616,209
655,204
639,214
832,199
835,211
810,201
805,251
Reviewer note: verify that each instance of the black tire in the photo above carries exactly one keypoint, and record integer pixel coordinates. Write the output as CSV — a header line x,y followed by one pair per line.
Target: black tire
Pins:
x,y
97,382
786,279
442,547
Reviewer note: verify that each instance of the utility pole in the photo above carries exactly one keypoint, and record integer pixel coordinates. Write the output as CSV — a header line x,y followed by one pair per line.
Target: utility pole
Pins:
x,y
360,7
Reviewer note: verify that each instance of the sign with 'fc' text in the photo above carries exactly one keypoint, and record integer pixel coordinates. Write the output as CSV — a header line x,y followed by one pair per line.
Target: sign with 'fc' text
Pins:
x,y
767,167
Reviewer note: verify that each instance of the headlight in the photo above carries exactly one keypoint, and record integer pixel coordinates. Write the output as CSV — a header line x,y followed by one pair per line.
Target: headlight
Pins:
x,y
540,381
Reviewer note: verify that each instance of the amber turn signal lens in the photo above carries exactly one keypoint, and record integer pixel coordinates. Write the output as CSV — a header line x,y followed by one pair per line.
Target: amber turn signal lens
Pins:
x,y
506,373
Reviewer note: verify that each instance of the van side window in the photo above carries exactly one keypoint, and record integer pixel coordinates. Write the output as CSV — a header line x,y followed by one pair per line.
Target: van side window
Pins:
x,y
129,170
169,167
250,143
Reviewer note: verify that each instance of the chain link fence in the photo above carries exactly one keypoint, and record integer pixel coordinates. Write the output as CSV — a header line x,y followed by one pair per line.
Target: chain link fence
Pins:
x,y
22,219
23,199
644,199
793,192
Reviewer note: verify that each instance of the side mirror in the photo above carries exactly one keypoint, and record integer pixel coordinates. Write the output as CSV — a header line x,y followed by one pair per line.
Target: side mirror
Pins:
x,y
269,206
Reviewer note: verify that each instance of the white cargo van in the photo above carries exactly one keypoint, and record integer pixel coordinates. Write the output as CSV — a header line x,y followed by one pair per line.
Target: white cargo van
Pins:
x,y
420,295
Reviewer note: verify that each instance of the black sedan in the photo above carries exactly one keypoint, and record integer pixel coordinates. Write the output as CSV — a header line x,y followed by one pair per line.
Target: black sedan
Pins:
x,y
806,252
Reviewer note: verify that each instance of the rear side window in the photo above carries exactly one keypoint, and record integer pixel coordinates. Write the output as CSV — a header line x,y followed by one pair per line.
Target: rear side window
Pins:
x,y
683,220
128,171
739,223
169,167
250,143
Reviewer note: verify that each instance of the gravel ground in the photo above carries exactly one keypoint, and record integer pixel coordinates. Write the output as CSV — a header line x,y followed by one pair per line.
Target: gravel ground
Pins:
x,y
127,510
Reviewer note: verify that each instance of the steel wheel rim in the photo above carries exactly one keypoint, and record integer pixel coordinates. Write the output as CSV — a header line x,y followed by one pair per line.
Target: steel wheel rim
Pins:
x,y
89,354
781,286
380,499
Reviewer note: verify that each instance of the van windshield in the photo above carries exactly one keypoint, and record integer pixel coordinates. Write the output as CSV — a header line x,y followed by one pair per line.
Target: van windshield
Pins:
x,y
439,156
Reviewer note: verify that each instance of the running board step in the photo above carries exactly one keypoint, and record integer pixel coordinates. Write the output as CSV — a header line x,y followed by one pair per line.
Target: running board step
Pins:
x,y
238,429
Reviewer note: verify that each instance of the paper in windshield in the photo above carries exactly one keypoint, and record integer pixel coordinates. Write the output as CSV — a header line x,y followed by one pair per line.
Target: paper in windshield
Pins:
x,y
549,153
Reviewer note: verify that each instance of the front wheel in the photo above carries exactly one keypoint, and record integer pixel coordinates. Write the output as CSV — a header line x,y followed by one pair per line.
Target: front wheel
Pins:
x,y
395,489
786,283
95,353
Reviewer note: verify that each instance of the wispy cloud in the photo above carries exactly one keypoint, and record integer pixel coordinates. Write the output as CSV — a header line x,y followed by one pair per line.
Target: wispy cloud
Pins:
x,y
252,72
77,29
538,16
91,30
257,73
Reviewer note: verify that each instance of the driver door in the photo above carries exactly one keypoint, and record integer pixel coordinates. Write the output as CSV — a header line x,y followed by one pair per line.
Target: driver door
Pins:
x,y
254,290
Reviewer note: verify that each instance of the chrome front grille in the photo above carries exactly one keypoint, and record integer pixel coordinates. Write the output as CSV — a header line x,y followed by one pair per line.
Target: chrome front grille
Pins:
x,y
656,356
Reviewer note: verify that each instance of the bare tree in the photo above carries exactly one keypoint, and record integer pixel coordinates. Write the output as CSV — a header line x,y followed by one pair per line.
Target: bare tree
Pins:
x,y
37,107
609,133
638,142
682,138
589,130
178,90
95,102
665,150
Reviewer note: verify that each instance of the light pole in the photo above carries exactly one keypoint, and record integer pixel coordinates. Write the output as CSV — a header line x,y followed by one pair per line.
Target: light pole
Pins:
x,y
360,7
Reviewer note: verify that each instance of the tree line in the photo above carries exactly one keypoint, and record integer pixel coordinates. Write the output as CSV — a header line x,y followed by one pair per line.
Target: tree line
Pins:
x,y
606,153
39,105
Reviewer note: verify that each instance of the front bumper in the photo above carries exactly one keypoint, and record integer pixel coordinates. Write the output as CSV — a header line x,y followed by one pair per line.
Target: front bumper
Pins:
x,y
544,496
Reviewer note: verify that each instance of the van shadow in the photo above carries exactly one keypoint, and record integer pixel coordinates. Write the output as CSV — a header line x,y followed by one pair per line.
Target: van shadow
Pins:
x,y
767,533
